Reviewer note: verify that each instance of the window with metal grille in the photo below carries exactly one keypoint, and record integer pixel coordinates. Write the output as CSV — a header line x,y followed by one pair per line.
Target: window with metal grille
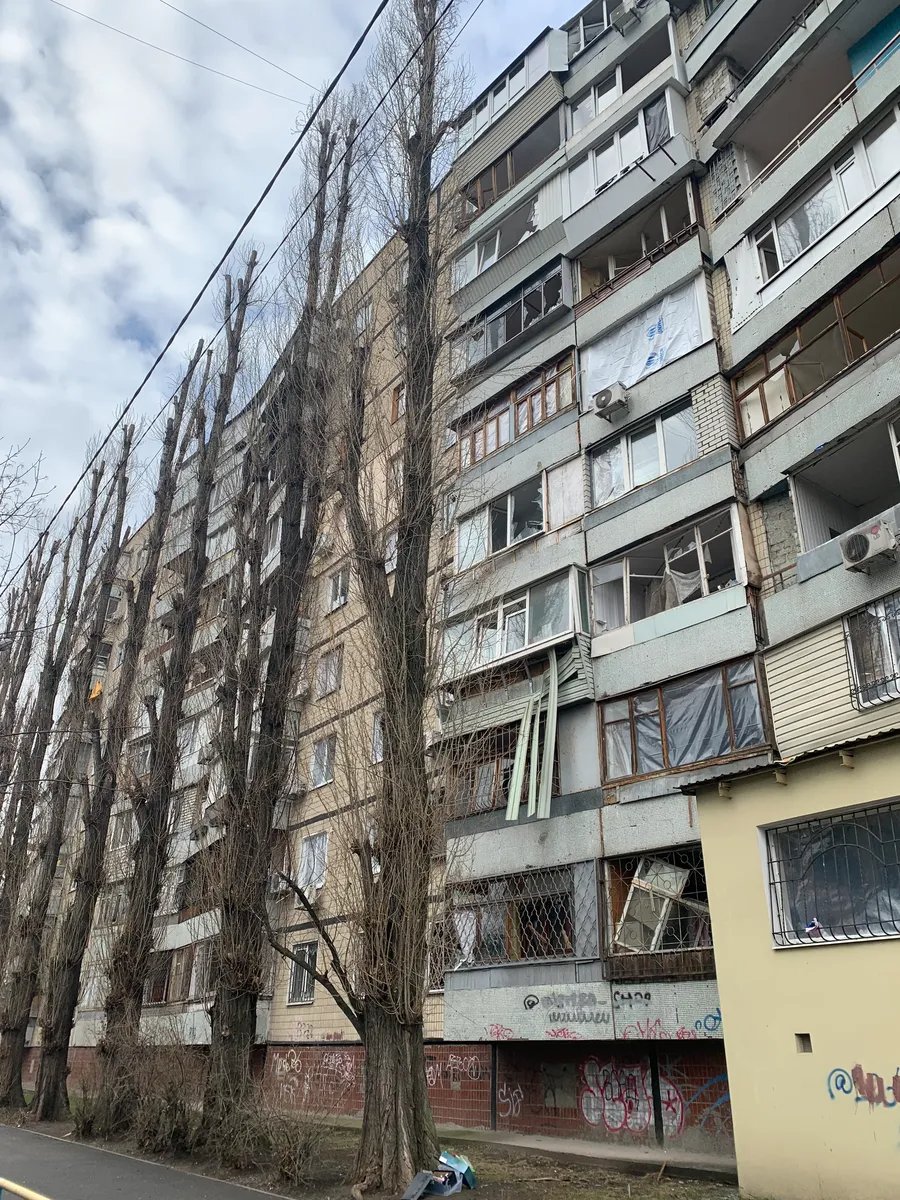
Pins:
x,y
658,916
515,918
873,650
302,983
480,768
836,877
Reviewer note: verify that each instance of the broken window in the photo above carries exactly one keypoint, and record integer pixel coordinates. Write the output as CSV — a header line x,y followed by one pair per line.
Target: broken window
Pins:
x,y
511,232
101,658
665,573
378,738
565,493
713,714
836,877
518,515
338,589
873,648
302,983
180,973
495,329
588,27
480,768
658,921
647,452
515,918
157,982
491,106
527,154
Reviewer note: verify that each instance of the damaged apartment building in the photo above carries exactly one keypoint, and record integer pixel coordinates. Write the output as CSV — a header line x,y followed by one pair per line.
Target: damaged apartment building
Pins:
x,y
678,470
670,620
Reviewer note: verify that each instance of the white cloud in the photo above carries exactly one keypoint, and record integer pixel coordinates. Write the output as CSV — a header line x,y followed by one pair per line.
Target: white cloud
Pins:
x,y
124,173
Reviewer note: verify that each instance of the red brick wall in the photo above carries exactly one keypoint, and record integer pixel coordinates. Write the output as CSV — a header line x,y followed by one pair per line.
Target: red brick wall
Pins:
x,y
459,1083
604,1092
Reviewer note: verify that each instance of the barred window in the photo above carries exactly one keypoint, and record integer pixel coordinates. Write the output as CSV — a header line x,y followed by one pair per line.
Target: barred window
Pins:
x,y
658,920
873,650
480,769
836,877
302,983
515,918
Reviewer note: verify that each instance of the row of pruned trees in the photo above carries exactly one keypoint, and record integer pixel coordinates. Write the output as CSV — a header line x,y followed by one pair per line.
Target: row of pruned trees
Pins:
x,y
310,431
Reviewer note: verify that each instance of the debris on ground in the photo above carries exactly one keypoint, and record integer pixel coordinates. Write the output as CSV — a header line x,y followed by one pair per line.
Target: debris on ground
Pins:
x,y
449,1177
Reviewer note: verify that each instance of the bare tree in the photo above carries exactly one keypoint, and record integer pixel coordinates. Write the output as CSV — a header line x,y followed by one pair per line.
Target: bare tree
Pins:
x,y
20,499
64,968
152,799
283,475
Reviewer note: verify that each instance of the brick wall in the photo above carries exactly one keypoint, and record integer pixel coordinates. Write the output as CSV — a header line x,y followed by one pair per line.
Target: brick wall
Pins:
x,y
781,530
605,1092
714,412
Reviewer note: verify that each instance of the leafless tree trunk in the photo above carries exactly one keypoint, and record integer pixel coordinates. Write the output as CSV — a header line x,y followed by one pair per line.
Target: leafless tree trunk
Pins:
x,y
285,467
398,1134
20,500
64,973
131,953
60,639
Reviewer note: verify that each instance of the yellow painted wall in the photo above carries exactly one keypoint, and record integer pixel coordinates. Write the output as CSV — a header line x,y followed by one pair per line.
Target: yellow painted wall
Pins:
x,y
798,1135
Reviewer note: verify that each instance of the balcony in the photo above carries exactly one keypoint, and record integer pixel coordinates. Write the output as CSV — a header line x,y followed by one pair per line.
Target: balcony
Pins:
x,y
814,122
634,189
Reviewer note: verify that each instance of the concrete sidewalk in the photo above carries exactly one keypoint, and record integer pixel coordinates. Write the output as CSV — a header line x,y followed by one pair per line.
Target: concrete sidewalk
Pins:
x,y
630,1159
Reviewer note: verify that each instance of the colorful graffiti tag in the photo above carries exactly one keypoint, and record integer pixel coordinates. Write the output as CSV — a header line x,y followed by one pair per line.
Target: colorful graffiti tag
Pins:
x,y
865,1087
619,1096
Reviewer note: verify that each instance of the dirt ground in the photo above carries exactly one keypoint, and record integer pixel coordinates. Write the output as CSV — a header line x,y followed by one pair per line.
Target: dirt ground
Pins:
x,y
501,1175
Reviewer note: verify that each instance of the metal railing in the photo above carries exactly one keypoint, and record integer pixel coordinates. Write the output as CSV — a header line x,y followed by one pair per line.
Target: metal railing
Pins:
x,y
834,105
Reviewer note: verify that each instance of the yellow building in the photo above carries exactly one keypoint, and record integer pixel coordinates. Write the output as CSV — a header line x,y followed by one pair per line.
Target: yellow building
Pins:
x,y
803,871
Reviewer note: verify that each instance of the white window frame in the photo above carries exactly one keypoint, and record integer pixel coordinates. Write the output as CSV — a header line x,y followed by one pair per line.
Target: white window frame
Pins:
x,y
691,529
302,991
322,762
313,865
607,5
103,656
625,443
858,153
616,76
493,103
329,670
339,588
888,649
364,315
666,896
482,514
377,738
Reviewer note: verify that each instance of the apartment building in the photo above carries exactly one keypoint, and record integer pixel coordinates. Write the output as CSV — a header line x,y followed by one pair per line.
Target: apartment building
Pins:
x,y
802,854
677,257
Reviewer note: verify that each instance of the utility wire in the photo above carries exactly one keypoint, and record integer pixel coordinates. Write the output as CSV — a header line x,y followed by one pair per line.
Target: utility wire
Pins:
x,y
171,53
307,125
240,45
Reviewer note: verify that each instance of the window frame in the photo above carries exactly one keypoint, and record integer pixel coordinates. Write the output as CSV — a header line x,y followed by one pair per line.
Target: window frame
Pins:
x,y
765,369
328,761
377,743
528,886
538,385
884,611
784,934
582,45
692,529
339,588
398,401
668,768
624,442
302,990
467,128
501,168
307,865
462,357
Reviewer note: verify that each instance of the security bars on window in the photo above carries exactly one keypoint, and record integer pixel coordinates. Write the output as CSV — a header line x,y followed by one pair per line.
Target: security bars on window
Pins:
x,y
515,918
873,650
836,877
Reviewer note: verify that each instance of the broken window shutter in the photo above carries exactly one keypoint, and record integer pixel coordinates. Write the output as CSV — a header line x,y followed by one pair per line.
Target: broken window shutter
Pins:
x,y
535,755
521,760
546,791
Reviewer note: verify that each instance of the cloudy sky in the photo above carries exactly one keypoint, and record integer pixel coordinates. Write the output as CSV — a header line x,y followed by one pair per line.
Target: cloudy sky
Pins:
x,y
124,173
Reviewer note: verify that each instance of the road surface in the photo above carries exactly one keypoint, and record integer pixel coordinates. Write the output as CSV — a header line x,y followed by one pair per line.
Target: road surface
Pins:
x,y
67,1170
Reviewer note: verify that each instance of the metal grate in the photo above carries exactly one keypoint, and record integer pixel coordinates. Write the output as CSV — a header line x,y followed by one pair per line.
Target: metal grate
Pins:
x,y
836,877
658,922
515,918
873,650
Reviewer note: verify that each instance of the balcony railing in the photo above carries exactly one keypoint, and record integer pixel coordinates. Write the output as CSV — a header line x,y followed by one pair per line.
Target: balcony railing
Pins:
x,y
605,290
844,96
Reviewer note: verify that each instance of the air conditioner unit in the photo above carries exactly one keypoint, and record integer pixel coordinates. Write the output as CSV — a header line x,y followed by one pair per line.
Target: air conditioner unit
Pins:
x,y
628,13
610,400
278,886
867,544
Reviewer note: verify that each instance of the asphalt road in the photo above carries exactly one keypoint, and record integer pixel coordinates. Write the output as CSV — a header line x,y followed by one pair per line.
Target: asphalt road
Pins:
x,y
66,1170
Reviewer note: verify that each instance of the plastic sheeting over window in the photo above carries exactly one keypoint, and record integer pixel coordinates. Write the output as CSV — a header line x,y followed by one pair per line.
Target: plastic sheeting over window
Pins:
x,y
662,333
705,716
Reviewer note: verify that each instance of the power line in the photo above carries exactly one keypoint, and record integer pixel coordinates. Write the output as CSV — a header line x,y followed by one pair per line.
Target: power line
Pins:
x,y
171,53
240,45
307,125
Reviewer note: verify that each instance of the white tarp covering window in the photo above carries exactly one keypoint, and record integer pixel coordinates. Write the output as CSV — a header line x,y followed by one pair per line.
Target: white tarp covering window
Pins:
x,y
313,859
655,337
565,493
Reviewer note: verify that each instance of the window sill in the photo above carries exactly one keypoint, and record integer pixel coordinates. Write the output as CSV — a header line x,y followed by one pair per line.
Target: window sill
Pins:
x,y
513,656
837,940
299,1003
684,768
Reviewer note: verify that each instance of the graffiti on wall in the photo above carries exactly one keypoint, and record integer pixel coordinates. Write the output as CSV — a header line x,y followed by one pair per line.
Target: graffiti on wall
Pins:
x,y
619,1096
656,1031
453,1070
865,1087
304,1075
509,1100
